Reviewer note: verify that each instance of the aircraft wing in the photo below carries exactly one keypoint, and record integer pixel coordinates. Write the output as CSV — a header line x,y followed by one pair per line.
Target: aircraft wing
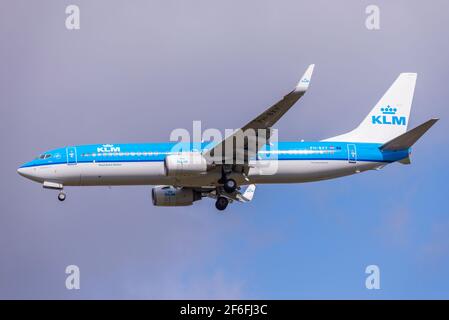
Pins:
x,y
246,196
257,132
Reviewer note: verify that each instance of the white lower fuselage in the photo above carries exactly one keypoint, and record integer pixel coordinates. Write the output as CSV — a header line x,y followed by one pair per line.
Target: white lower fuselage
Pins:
x,y
152,173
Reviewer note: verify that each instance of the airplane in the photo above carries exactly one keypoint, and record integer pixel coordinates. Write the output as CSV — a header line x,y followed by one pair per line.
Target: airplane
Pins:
x,y
211,169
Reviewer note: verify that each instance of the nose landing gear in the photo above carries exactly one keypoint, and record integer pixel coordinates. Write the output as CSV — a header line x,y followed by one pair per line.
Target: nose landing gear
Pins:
x,y
55,186
61,196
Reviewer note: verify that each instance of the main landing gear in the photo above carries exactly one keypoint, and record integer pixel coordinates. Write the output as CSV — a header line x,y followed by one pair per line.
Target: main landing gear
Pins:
x,y
61,196
229,185
221,203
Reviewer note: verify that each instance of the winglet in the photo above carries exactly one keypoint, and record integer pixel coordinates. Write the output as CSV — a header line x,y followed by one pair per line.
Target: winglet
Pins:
x,y
303,84
249,193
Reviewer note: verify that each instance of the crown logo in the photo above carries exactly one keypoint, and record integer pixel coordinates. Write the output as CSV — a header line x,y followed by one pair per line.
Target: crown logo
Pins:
x,y
388,110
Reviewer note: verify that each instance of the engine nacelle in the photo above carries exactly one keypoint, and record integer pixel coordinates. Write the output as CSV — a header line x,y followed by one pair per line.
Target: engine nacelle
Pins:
x,y
169,196
185,164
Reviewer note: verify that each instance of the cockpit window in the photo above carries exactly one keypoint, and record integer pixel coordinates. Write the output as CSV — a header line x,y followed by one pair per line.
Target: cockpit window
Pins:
x,y
44,156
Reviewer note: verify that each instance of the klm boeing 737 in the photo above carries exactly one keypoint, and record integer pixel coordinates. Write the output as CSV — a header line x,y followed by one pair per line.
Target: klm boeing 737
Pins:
x,y
188,172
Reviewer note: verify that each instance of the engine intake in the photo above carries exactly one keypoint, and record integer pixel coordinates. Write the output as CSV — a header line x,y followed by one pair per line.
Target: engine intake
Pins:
x,y
184,164
169,196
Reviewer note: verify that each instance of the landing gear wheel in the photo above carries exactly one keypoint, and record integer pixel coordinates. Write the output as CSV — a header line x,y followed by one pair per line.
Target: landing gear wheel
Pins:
x,y
61,196
230,185
221,203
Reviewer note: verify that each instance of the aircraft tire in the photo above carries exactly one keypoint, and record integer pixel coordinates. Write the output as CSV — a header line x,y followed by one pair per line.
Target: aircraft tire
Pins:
x,y
61,196
221,203
230,185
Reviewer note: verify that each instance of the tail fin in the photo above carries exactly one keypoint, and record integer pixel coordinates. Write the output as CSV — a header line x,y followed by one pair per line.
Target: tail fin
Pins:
x,y
390,116
406,140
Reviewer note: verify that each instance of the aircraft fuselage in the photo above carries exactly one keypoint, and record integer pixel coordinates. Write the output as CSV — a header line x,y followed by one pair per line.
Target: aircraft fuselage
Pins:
x,y
143,164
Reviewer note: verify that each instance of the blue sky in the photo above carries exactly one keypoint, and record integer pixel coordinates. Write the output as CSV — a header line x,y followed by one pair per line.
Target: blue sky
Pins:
x,y
134,72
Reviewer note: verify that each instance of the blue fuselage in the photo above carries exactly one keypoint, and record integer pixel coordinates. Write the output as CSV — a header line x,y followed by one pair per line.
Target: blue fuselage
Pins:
x,y
156,152
145,164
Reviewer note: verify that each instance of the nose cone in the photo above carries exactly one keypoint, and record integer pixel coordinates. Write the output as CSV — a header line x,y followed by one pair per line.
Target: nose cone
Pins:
x,y
24,172
28,173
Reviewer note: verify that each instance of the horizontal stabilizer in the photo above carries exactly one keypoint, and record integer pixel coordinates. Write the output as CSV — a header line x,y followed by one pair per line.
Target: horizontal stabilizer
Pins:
x,y
405,161
406,140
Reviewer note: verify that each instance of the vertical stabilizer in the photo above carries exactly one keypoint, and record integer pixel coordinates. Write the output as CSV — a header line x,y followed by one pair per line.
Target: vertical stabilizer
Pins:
x,y
390,116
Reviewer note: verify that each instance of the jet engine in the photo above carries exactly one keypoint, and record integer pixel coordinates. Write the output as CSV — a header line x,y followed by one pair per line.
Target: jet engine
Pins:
x,y
169,196
184,164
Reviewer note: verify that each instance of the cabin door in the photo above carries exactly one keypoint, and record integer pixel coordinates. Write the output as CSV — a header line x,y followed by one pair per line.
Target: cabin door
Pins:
x,y
71,156
352,153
